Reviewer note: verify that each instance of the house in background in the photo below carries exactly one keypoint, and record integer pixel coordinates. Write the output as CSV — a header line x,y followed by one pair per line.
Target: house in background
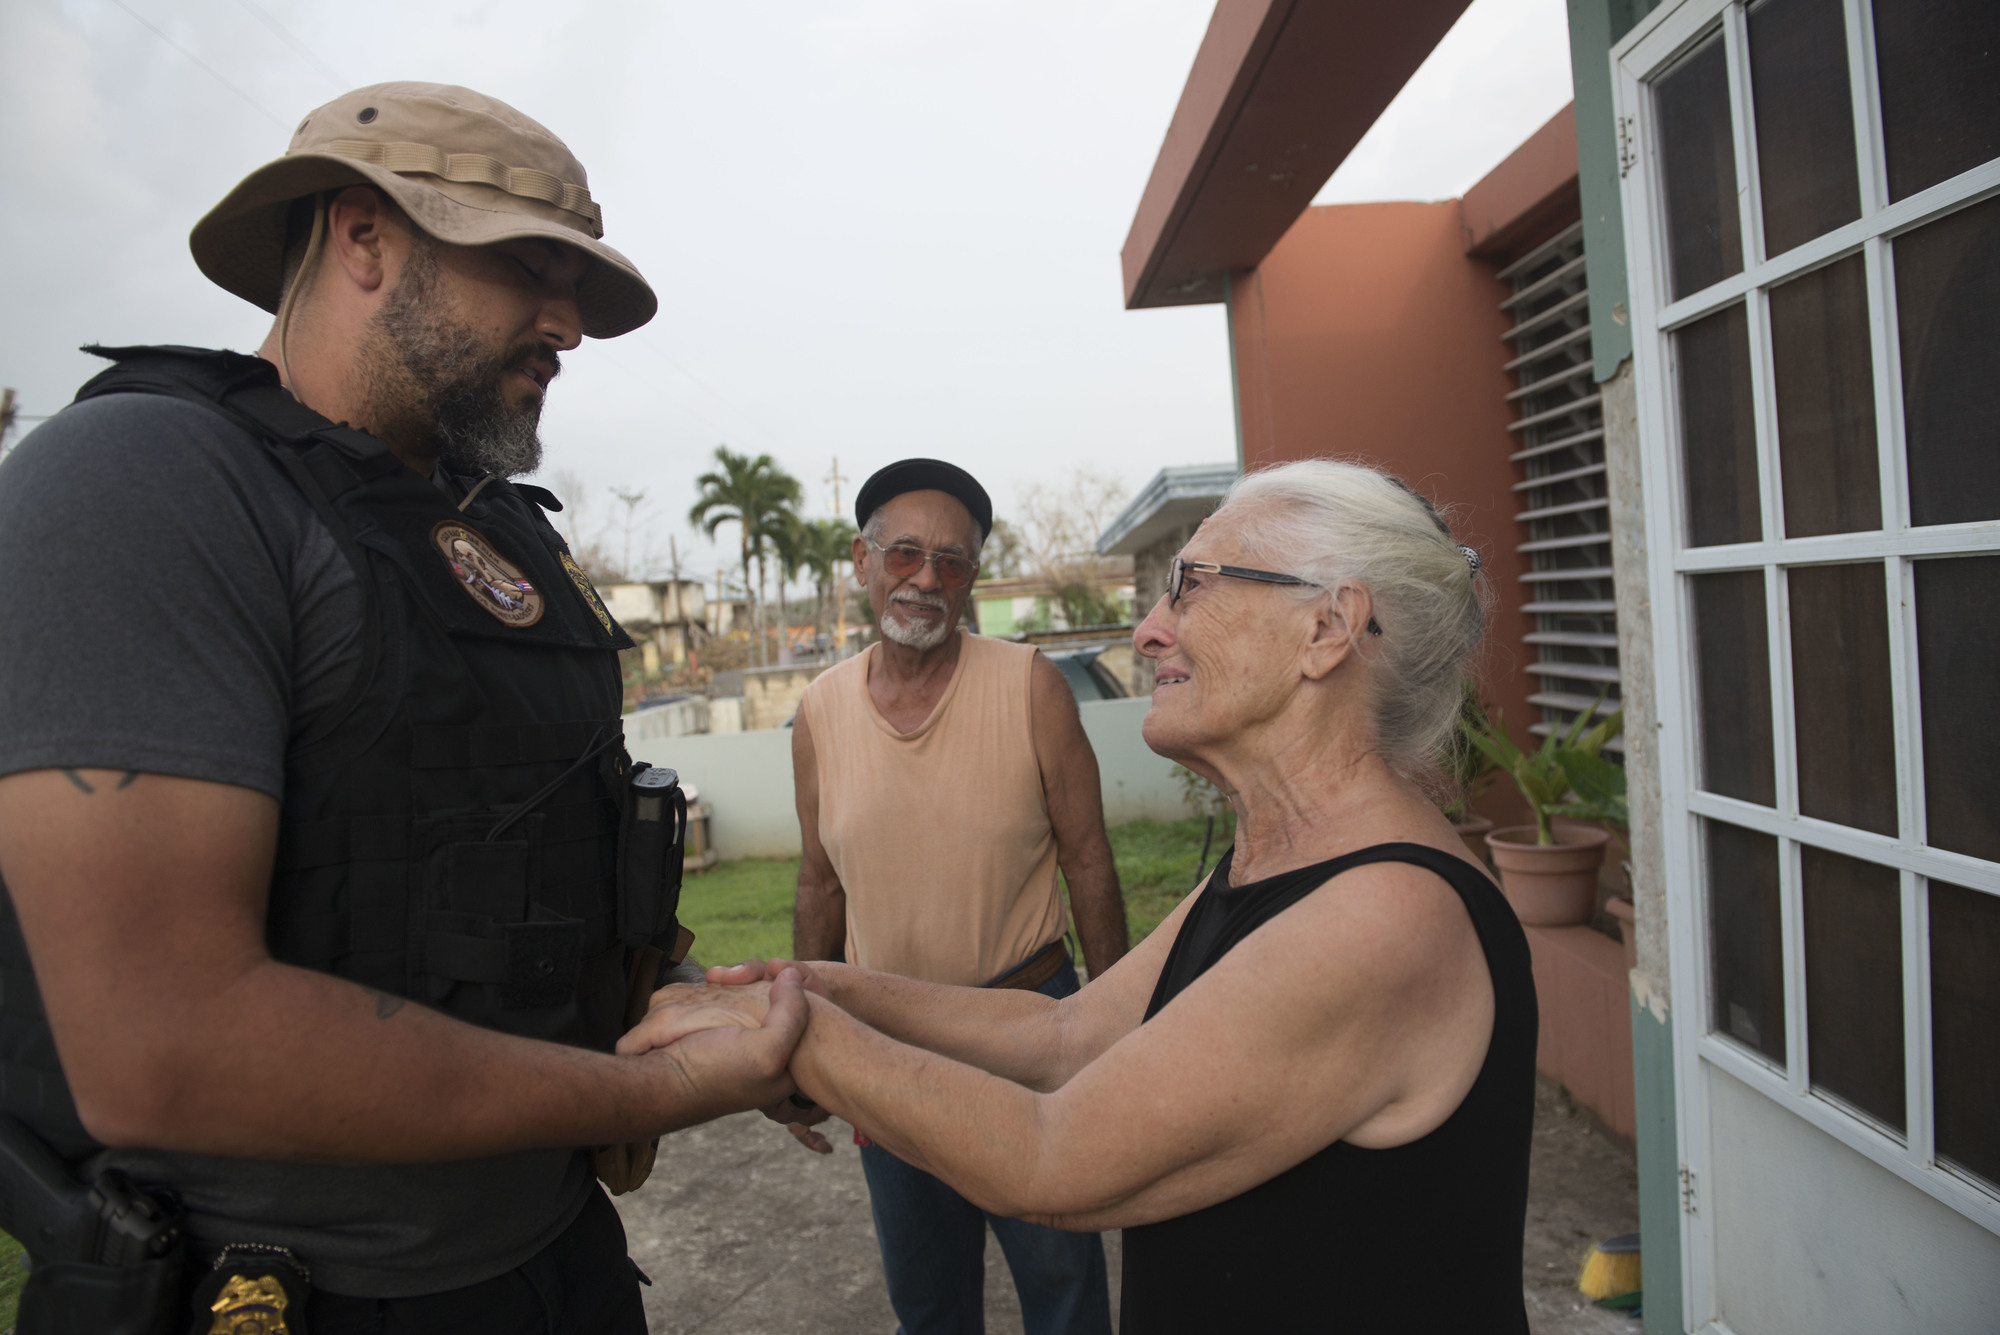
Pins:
x,y
1704,370
1016,604
662,616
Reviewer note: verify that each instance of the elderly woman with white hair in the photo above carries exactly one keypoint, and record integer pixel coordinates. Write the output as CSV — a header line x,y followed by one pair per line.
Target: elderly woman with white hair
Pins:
x,y
1307,1097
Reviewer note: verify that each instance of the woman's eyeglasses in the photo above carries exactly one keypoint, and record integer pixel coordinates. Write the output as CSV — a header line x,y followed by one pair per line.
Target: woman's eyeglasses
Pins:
x,y
1177,579
902,561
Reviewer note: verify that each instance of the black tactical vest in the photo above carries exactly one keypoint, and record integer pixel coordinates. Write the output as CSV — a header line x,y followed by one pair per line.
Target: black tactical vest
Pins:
x,y
450,833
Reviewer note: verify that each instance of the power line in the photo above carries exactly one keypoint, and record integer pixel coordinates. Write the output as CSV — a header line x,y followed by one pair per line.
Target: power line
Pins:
x,y
299,48
204,66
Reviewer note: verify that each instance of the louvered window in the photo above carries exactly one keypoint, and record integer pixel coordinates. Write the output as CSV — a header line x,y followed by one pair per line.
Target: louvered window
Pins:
x,y
1559,450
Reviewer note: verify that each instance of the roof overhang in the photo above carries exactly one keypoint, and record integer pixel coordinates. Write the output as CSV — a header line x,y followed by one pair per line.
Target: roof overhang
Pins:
x,y
1175,496
1280,93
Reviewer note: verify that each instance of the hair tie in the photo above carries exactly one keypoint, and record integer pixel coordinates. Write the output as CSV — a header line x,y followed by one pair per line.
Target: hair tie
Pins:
x,y
1471,558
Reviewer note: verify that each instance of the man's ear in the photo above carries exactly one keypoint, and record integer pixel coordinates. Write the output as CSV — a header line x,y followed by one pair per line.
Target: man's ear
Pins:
x,y
1338,623
860,559
362,231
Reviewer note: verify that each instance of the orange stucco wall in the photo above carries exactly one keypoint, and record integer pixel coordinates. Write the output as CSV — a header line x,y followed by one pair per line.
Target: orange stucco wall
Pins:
x,y
1368,332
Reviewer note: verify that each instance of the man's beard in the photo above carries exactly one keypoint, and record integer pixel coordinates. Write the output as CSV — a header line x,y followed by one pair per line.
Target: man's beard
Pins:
x,y
912,636
434,378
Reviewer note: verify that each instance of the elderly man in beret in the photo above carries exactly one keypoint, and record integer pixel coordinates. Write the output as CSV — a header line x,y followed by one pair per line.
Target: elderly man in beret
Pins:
x,y
942,779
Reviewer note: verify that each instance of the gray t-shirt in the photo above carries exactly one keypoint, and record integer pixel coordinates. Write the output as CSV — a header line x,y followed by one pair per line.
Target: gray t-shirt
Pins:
x,y
173,605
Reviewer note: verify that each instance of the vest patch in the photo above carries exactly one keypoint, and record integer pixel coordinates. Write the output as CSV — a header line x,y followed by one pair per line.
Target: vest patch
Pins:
x,y
587,589
487,577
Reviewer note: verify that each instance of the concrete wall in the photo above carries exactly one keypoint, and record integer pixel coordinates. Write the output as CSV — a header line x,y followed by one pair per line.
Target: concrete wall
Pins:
x,y
1586,1022
771,695
1368,331
747,776
676,718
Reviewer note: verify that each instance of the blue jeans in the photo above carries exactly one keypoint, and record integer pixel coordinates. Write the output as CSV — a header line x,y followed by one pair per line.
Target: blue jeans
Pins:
x,y
933,1244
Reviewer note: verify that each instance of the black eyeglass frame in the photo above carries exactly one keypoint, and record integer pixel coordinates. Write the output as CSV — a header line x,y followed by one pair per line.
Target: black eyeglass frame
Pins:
x,y
1182,565
930,558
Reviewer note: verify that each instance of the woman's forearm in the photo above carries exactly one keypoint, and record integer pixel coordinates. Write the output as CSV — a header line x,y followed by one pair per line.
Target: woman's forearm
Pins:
x,y
1016,1035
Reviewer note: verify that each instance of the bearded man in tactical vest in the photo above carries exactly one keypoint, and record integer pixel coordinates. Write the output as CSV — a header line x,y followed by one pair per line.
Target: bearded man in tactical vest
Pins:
x,y
344,736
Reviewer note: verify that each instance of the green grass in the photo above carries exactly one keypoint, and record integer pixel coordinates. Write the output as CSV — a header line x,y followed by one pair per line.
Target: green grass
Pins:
x,y
13,1271
1156,865
739,910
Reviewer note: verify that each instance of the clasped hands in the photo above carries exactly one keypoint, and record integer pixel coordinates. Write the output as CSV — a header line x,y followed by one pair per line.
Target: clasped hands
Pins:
x,y
767,996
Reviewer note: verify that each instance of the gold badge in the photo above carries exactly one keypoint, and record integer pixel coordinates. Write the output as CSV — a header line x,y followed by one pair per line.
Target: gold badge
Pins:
x,y
587,589
487,577
250,1305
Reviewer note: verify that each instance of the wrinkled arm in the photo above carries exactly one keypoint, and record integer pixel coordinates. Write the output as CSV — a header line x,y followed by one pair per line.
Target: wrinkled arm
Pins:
x,y
819,913
143,897
1362,1015
1076,810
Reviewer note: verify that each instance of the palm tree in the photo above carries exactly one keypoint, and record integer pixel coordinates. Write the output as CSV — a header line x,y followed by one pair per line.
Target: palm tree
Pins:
x,y
827,545
761,499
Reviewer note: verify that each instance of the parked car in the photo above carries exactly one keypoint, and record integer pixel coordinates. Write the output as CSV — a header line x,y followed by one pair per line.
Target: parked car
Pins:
x,y
1088,678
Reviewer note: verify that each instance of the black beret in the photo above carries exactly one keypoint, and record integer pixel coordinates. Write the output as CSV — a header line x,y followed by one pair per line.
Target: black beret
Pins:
x,y
924,475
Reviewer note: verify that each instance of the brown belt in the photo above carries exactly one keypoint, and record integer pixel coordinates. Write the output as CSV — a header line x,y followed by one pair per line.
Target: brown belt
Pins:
x,y
1037,969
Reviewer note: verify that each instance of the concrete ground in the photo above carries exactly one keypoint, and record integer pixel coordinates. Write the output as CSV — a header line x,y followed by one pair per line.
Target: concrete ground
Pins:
x,y
743,1231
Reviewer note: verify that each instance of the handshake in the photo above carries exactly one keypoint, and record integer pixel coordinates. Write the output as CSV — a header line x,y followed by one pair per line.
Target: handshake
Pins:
x,y
733,1039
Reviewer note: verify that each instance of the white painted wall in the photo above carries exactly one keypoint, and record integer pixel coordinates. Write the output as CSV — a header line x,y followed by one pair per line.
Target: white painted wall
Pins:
x,y
677,718
1812,1237
747,776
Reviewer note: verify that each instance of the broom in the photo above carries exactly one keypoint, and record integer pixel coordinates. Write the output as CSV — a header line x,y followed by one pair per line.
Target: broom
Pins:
x,y
1612,1268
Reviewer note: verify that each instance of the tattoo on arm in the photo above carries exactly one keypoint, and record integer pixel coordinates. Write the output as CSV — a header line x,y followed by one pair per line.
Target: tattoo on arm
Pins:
x,y
385,1005
84,785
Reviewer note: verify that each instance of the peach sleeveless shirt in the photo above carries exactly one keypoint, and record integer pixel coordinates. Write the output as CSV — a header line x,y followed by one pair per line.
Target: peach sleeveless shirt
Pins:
x,y
941,836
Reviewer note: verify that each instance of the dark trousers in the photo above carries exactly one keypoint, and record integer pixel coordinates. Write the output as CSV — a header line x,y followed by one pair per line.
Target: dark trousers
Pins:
x,y
933,1243
580,1284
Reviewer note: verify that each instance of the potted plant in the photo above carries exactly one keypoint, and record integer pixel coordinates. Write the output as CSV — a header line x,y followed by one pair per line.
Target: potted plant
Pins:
x,y
1470,772
1548,871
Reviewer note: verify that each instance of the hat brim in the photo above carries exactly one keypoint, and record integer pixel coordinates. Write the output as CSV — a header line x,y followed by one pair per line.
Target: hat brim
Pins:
x,y
240,243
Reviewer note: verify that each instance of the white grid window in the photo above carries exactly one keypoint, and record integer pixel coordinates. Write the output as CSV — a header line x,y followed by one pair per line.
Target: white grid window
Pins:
x,y
1812,203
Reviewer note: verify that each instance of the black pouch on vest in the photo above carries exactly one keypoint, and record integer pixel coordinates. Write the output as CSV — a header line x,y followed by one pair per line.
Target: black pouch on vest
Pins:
x,y
651,839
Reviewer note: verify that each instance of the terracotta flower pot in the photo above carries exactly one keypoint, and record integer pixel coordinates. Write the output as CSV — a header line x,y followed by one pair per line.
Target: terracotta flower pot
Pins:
x,y
1549,885
1472,829
1628,928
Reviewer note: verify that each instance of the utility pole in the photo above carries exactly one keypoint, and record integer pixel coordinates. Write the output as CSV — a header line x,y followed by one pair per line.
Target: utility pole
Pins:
x,y
7,417
834,479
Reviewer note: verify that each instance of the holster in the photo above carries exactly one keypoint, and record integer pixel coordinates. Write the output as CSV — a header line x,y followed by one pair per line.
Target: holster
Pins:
x,y
652,840
105,1256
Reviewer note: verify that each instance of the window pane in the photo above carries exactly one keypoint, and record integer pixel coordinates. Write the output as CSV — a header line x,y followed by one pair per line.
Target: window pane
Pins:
x,y
1733,676
1826,402
1948,310
1854,982
1965,1027
1840,695
1718,429
1698,170
1805,120
1958,673
1745,947
1940,68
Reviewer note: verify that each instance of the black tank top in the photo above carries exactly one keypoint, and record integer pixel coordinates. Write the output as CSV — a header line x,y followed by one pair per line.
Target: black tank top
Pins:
x,y
1421,1237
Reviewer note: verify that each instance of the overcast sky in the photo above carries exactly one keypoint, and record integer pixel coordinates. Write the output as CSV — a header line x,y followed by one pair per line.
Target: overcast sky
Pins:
x,y
877,227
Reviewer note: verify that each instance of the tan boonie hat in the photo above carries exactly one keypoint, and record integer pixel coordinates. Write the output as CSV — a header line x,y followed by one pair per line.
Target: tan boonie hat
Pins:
x,y
467,168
